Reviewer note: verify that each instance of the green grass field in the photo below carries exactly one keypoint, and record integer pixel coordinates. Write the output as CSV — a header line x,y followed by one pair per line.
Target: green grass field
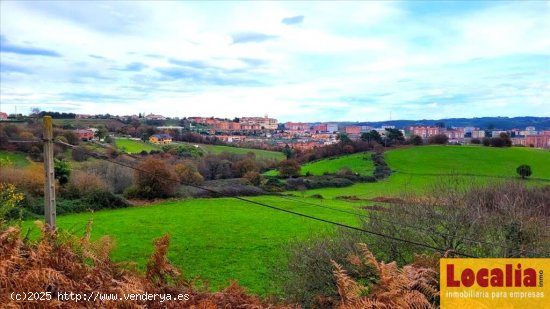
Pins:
x,y
82,122
486,161
134,146
418,168
223,238
260,154
16,158
359,162
216,239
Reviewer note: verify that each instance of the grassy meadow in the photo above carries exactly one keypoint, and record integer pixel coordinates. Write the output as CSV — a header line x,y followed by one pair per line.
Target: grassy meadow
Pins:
x,y
18,159
475,160
136,146
264,154
360,163
215,239
222,238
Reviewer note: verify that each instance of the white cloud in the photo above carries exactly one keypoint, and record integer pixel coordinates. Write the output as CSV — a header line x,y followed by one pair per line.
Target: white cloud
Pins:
x,y
388,57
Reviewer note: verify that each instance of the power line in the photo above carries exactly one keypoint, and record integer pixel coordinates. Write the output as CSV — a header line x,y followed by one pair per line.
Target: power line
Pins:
x,y
405,225
280,209
22,142
103,157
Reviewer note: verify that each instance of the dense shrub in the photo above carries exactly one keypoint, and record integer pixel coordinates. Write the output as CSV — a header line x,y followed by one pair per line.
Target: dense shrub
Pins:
x,y
188,175
255,178
154,179
348,149
29,180
115,176
381,168
416,140
183,150
440,139
214,167
289,168
61,171
36,153
467,217
308,277
486,141
315,182
105,199
503,140
497,142
223,187
10,199
82,184
475,141
241,167
274,185
71,137
78,154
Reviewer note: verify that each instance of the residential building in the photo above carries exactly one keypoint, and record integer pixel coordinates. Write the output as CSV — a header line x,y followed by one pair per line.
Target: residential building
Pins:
x,y
353,130
231,138
537,141
320,128
366,128
425,131
332,127
454,134
160,139
264,123
478,134
155,117
234,126
83,116
518,141
221,125
296,126
85,135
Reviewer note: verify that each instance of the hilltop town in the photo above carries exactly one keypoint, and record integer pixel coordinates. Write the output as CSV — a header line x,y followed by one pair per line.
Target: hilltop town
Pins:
x,y
268,132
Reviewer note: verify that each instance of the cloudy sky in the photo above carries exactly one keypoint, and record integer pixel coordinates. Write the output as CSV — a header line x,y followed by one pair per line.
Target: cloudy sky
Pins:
x,y
309,61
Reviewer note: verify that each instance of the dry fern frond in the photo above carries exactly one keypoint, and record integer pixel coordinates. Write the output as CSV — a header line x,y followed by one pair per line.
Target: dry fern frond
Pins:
x,y
412,286
70,264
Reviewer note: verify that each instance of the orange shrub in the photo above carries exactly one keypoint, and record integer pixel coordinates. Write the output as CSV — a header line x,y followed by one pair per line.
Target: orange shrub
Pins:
x,y
83,184
188,175
30,180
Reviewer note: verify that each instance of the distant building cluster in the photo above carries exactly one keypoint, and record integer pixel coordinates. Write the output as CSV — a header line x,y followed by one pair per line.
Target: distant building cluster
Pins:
x,y
241,124
303,135
461,135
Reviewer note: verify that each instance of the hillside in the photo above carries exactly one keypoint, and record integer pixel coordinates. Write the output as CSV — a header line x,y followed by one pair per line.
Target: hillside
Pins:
x,y
360,163
223,238
483,161
216,239
136,146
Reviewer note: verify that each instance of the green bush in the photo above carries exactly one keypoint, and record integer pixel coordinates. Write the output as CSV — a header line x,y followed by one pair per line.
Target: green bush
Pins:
x,y
308,277
274,185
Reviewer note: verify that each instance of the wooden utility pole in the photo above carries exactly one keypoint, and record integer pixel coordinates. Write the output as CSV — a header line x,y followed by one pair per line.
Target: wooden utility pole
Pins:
x,y
49,183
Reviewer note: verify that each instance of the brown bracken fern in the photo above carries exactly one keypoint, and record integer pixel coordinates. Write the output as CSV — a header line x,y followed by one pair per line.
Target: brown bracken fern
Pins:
x,y
413,286
63,263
